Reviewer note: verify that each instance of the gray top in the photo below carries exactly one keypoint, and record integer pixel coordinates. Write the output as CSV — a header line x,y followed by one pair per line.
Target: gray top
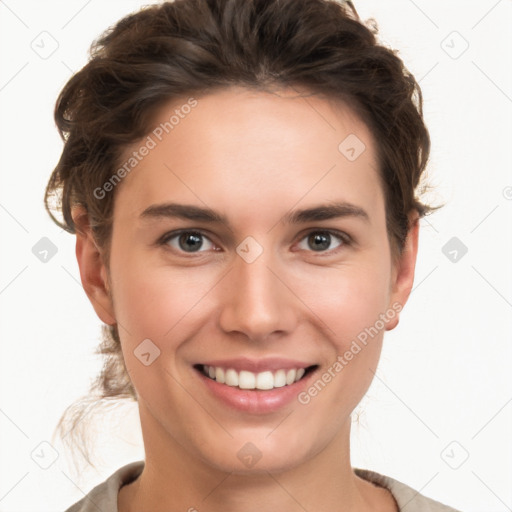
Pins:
x,y
104,496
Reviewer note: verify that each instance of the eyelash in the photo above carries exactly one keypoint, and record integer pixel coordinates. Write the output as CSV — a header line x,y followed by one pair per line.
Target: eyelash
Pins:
x,y
345,239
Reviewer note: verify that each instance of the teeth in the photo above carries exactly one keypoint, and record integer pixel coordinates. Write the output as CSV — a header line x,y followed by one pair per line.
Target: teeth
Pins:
x,y
290,376
265,380
231,378
249,380
280,379
219,375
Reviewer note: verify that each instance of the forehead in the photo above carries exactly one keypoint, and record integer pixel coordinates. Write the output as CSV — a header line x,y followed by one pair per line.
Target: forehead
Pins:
x,y
239,147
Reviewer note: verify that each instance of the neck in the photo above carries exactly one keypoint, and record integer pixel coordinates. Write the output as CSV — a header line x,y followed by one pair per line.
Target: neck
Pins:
x,y
174,480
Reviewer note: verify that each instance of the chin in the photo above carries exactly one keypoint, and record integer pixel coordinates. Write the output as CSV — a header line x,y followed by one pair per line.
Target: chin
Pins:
x,y
260,454
276,463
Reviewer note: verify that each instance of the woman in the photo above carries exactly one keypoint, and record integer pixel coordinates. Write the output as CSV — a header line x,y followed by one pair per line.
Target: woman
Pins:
x,y
241,177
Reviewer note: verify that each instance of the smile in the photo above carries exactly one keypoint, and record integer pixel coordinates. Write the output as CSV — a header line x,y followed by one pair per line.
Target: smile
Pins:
x,y
249,380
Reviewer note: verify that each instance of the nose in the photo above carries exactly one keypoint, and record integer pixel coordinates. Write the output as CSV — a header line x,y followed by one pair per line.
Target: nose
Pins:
x,y
256,300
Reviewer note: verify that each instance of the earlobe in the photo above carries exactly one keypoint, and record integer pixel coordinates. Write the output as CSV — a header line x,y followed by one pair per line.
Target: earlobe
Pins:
x,y
93,273
403,271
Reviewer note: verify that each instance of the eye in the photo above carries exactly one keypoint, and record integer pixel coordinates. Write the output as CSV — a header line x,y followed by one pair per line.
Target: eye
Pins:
x,y
321,241
193,241
186,241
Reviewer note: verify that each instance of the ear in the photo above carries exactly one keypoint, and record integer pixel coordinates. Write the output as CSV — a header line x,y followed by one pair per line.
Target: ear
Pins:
x,y
93,272
403,271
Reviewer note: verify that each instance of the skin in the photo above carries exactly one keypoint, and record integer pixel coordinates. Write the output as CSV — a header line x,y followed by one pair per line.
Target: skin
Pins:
x,y
254,157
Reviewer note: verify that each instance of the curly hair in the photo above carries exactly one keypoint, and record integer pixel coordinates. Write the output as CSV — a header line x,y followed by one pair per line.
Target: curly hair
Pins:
x,y
194,47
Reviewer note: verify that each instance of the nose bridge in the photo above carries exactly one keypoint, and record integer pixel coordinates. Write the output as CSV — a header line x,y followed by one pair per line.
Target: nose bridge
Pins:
x,y
255,301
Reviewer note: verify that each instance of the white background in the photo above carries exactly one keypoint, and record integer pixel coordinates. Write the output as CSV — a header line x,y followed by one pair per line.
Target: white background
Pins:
x,y
444,375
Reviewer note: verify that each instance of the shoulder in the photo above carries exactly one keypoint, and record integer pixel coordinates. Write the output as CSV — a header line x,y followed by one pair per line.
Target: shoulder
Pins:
x,y
104,496
407,498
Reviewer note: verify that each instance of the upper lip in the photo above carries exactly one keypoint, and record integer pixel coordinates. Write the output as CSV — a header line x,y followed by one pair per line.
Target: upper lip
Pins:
x,y
257,365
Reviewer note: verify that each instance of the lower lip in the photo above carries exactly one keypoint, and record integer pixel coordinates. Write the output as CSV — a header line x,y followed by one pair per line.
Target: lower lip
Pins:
x,y
256,401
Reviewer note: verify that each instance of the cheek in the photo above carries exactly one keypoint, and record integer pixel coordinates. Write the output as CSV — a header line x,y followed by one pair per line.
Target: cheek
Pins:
x,y
347,299
146,305
350,307
153,301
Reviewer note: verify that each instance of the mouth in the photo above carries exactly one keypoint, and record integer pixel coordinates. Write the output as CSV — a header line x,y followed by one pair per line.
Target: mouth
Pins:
x,y
265,380
255,386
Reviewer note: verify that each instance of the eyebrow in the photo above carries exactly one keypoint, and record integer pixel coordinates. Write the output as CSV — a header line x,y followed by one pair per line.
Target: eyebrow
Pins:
x,y
200,214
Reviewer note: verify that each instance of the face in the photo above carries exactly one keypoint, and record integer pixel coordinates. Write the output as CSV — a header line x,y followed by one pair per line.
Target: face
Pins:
x,y
249,245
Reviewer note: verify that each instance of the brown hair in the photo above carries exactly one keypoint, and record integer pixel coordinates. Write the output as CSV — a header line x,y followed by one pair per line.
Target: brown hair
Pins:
x,y
192,47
